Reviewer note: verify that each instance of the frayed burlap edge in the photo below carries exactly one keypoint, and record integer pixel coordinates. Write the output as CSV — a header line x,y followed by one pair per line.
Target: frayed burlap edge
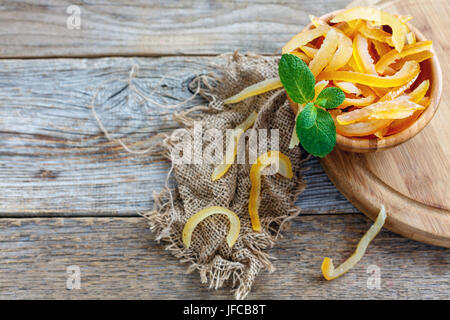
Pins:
x,y
160,219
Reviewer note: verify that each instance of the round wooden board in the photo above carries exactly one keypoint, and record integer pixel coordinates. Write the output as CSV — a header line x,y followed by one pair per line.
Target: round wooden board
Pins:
x,y
411,180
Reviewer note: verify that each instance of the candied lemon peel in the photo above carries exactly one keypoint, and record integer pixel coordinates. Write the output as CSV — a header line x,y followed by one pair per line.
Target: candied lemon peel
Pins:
x,y
367,61
330,272
193,221
283,167
233,144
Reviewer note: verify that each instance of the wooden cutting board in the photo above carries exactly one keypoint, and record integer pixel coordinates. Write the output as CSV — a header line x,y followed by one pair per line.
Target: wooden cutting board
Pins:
x,y
413,179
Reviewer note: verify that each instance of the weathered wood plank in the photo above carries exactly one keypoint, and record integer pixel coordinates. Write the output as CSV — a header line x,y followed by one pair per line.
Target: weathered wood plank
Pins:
x,y
141,28
54,160
119,259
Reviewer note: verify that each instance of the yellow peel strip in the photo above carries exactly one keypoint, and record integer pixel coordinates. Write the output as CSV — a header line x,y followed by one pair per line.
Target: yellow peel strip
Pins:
x,y
418,93
309,51
342,54
409,70
233,233
328,270
362,56
304,37
283,166
255,89
415,96
316,21
348,87
222,168
368,98
302,56
381,48
393,55
399,30
418,57
384,110
375,34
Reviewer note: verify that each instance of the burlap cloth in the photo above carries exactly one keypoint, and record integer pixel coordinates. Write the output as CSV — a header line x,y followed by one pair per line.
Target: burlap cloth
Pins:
x,y
209,252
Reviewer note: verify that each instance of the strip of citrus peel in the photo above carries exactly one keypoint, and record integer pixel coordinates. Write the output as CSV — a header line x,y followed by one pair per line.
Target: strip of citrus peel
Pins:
x,y
309,51
358,129
354,26
394,55
255,89
270,158
409,70
342,54
399,30
317,89
348,87
330,272
411,38
402,124
381,48
415,96
418,57
363,59
375,34
304,37
222,168
302,56
325,53
233,233
362,56
385,110
397,91
368,98
420,91
390,95
352,64
345,28
316,21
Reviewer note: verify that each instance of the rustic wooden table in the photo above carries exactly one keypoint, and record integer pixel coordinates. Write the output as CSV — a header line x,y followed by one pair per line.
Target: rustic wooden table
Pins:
x,y
69,197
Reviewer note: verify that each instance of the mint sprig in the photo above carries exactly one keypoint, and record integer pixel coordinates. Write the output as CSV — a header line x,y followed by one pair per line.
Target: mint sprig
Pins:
x,y
314,126
330,98
296,78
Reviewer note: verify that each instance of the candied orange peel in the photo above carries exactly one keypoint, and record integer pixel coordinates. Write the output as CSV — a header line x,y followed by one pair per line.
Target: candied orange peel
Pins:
x,y
393,55
384,110
409,70
379,17
373,57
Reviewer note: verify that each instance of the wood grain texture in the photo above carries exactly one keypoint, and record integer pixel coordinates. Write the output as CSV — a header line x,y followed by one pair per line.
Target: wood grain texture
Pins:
x,y
143,28
412,180
54,161
119,260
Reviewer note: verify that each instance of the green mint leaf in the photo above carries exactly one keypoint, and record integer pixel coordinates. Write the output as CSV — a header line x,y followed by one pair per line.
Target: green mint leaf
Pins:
x,y
296,78
320,138
330,98
307,118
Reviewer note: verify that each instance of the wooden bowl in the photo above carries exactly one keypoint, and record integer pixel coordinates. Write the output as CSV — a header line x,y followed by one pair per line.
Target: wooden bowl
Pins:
x,y
430,69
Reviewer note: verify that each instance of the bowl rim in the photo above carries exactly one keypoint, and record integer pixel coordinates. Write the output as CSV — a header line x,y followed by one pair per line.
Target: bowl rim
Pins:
x,y
372,145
